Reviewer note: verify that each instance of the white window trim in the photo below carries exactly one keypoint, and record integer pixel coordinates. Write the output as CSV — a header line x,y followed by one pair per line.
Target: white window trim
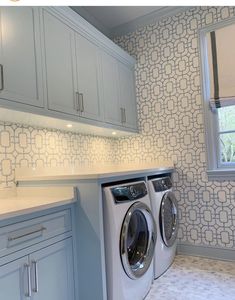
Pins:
x,y
215,170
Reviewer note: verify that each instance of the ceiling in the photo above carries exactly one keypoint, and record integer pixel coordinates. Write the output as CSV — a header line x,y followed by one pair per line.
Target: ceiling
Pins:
x,y
114,20
112,16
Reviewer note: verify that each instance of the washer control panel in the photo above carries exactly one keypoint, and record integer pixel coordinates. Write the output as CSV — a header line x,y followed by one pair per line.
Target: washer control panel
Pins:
x,y
131,192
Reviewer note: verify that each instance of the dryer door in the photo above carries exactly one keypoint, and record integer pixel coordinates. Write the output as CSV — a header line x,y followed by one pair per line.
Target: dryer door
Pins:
x,y
138,238
169,218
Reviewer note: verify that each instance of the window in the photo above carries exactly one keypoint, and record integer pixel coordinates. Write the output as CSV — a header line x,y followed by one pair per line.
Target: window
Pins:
x,y
218,82
226,119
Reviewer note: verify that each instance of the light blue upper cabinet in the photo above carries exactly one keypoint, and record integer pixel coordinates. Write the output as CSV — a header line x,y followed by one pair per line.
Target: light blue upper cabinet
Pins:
x,y
119,92
88,74
52,53
20,56
13,280
60,65
52,272
112,108
72,69
127,95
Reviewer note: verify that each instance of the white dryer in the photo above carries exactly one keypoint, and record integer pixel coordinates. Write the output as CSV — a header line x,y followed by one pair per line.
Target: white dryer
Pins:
x,y
165,211
130,237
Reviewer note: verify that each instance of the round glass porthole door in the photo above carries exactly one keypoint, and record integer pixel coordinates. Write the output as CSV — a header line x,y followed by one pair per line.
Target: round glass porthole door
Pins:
x,y
138,238
169,219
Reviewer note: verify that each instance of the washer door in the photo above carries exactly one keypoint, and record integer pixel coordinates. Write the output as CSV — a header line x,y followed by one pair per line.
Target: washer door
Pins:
x,y
169,219
137,241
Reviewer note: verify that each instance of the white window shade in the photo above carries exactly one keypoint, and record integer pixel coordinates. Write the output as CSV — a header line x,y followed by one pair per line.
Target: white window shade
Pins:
x,y
221,61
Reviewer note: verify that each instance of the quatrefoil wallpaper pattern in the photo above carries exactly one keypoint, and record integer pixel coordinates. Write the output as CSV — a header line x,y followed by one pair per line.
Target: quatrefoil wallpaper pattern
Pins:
x,y
171,127
171,121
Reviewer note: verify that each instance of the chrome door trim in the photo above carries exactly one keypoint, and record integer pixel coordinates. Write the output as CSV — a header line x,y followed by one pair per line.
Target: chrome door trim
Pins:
x,y
169,242
144,263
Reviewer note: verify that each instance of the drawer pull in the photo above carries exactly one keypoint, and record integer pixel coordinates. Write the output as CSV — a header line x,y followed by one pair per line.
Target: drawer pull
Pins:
x,y
10,239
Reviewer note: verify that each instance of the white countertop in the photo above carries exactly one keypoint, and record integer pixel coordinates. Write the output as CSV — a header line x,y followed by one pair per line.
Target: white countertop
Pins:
x,y
23,200
20,201
95,172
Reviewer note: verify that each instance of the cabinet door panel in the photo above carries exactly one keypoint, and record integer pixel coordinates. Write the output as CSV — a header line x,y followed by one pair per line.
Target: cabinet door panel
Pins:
x,y
60,65
112,110
54,272
20,55
88,77
127,95
13,284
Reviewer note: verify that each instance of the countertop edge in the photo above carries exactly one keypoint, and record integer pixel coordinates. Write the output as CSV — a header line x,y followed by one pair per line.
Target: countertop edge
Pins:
x,y
40,207
97,176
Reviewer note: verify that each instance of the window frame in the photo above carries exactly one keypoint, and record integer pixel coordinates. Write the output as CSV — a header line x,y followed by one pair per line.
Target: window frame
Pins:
x,y
215,169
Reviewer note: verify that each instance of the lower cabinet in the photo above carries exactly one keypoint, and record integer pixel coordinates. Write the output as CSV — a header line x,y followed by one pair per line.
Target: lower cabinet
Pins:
x,y
13,280
37,257
44,274
52,272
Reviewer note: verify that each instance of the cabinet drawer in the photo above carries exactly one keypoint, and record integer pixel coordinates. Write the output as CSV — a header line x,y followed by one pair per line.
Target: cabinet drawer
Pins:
x,y
23,234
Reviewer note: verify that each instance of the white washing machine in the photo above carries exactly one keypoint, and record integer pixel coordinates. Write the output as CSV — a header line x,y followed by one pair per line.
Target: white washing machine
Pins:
x,y
165,211
130,237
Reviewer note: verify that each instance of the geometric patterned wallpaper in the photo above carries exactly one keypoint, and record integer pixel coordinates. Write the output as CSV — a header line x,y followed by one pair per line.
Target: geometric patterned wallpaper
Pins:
x,y
27,146
171,122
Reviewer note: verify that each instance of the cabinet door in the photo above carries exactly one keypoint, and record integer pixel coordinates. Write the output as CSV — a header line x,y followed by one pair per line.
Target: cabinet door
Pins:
x,y
13,280
52,272
112,109
127,95
60,65
20,56
87,56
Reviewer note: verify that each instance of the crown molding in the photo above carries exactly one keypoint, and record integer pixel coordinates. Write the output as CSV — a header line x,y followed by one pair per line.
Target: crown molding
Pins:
x,y
148,19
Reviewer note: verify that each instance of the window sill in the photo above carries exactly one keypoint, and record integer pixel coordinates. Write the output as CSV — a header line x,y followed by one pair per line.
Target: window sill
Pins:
x,y
221,174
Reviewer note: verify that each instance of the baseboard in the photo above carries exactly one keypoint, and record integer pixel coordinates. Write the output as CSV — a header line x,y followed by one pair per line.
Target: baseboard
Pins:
x,y
205,251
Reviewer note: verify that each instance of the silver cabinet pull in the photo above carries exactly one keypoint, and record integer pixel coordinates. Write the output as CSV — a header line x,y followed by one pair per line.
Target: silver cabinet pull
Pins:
x,y
81,102
124,114
121,114
35,266
28,293
2,77
10,239
77,102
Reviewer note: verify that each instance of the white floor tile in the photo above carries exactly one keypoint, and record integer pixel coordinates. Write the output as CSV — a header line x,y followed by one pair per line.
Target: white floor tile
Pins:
x,y
195,278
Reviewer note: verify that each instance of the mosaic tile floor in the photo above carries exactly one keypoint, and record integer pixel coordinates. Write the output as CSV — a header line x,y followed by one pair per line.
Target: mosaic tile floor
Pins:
x,y
195,278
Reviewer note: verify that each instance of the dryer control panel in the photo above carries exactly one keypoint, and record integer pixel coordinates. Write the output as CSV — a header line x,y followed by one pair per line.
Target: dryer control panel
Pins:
x,y
162,184
131,192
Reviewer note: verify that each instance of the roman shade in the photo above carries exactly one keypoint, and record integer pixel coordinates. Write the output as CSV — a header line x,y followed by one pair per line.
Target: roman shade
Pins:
x,y
221,62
